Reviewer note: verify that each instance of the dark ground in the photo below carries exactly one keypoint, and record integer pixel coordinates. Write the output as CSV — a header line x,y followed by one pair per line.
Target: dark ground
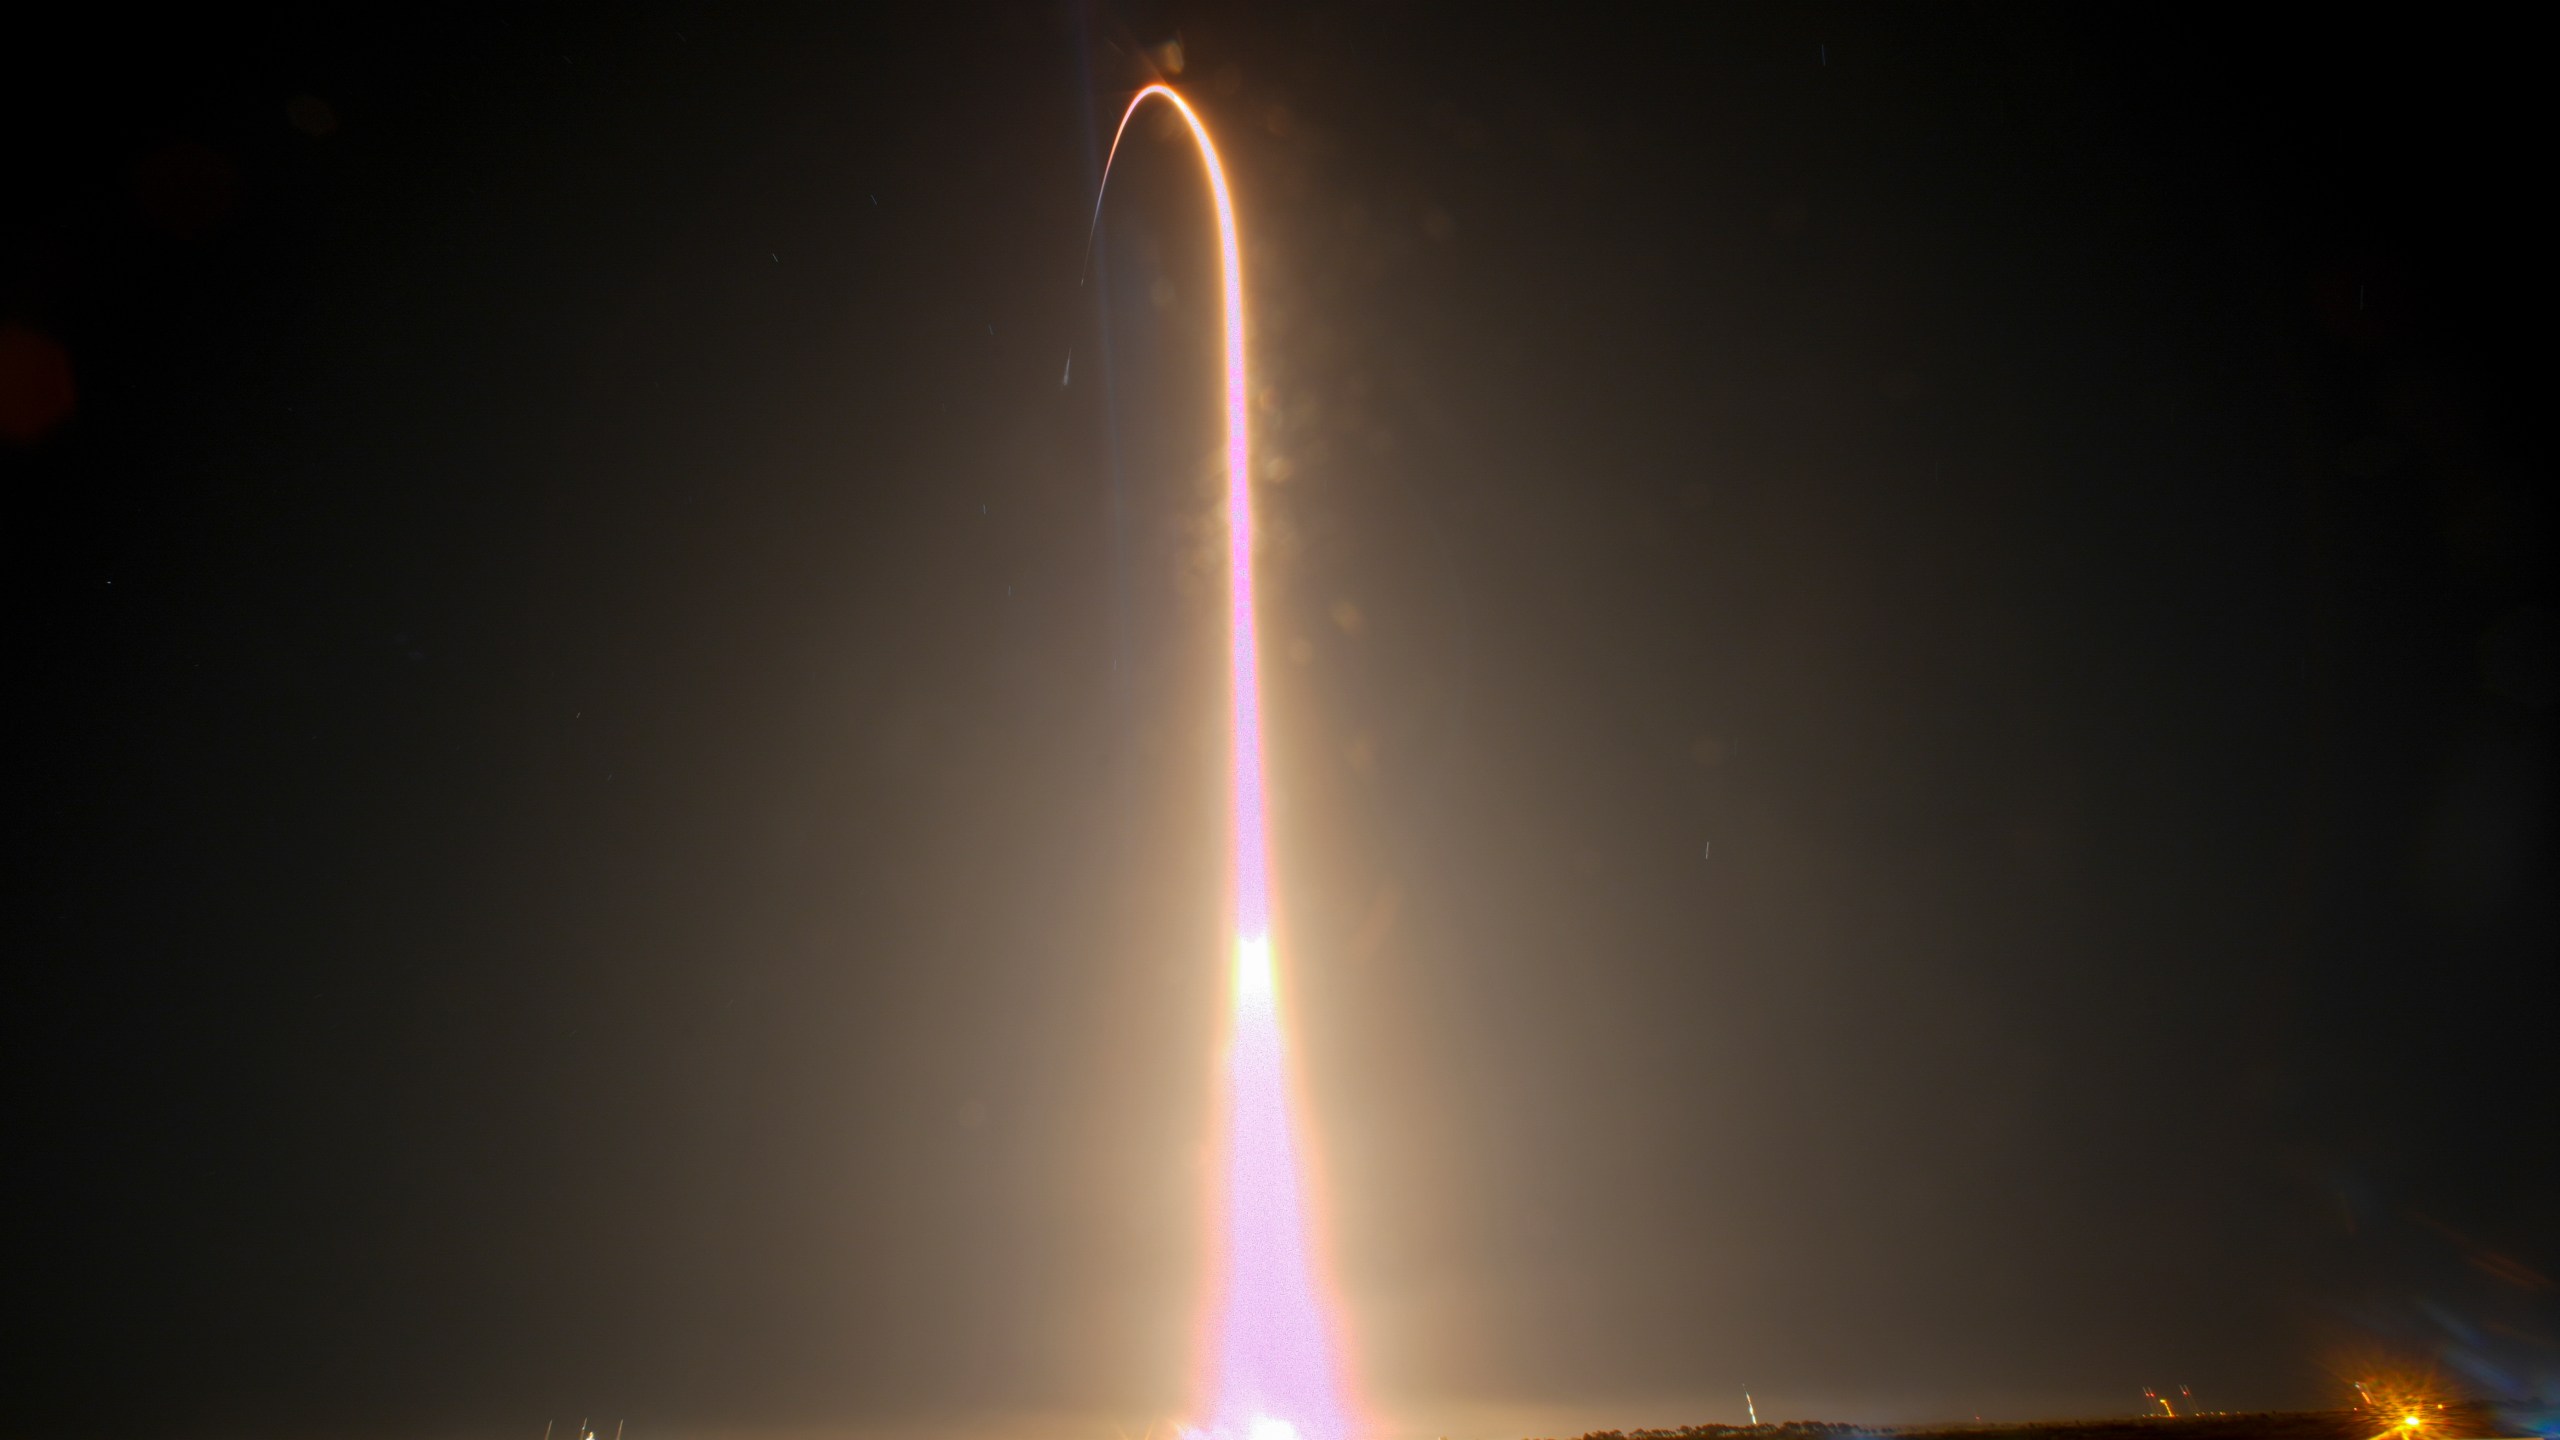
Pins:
x,y
2267,1425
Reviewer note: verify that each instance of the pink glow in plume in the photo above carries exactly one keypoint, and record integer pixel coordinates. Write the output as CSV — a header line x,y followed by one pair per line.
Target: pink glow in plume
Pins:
x,y
1270,1357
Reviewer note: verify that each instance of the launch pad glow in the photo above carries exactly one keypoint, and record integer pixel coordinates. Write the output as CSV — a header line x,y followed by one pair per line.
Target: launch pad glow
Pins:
x,y
1270,1365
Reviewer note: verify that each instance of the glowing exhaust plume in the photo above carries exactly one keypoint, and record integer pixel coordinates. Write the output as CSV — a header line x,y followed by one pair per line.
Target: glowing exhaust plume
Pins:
x,y
1271,1369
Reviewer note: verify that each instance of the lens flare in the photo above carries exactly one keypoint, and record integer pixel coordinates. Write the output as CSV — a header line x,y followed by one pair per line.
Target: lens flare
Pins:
x,y
1269,1357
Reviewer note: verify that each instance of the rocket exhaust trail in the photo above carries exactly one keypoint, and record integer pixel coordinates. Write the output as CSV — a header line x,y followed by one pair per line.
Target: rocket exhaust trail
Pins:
x,y
1269,1357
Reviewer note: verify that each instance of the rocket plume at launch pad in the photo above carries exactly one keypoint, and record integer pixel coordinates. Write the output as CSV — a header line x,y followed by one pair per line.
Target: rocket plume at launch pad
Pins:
x,y
1269,1359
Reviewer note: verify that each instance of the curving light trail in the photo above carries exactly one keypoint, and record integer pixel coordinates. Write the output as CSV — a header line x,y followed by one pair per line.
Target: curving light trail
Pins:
x,y
1270,1357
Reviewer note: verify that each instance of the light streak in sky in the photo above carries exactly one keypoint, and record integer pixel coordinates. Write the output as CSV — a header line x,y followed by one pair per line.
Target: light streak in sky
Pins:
x,y
1272,1372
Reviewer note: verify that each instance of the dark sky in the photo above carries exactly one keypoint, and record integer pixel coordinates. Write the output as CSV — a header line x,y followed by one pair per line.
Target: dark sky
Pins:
x,y
1912,651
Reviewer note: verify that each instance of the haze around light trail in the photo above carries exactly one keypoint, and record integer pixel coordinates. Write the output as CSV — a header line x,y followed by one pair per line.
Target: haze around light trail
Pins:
x,y
1271,1367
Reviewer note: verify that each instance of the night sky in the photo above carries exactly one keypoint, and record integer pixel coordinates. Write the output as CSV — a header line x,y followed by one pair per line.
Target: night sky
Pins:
x,y
1912,650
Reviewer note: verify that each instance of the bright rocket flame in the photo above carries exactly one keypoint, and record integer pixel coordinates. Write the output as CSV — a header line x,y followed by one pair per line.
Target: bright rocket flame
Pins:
x,y
2404,1401
1272,1373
